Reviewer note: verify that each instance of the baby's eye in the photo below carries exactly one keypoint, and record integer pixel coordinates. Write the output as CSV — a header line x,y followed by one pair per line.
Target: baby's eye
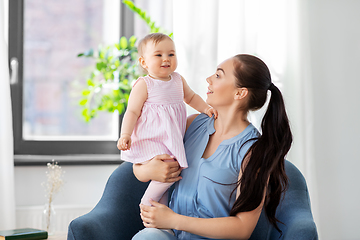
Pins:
x,y
158,55
171,54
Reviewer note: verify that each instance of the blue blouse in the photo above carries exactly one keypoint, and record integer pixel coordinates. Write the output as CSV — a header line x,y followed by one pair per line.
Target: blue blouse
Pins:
x,y
207,184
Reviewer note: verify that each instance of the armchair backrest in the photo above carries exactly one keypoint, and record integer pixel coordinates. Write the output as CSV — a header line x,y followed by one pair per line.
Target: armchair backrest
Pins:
x,y
294,211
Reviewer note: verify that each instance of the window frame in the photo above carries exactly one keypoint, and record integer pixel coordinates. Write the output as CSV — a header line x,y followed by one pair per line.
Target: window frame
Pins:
x,y
24,147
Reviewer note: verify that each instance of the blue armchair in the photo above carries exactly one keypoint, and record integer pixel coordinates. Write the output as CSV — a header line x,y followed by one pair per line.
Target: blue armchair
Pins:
x,y
123,192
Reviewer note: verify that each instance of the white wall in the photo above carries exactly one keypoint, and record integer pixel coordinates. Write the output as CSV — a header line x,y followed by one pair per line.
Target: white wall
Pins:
x,y
82,189
83,185
335,56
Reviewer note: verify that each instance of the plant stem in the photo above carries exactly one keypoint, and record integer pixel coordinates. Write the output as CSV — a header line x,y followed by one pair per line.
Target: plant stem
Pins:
x,y
49,210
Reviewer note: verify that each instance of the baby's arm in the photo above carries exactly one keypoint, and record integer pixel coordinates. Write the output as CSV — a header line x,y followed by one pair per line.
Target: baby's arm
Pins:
x,y
196,102
138,96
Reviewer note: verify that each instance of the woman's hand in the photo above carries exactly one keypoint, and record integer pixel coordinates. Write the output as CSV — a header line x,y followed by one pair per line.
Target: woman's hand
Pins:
x,y
162,168
157,216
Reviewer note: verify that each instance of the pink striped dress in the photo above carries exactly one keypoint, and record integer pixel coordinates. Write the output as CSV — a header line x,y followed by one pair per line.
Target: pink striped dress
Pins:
x,y
161,126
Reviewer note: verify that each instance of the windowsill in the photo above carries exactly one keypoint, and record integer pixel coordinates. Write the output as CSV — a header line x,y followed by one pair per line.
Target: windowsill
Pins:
x,y
69,160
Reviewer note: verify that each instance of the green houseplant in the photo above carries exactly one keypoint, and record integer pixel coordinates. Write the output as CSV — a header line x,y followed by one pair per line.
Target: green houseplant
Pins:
x,y
109,84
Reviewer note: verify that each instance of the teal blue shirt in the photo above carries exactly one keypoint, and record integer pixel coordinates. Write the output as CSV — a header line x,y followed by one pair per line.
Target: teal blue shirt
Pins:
x,y
207,184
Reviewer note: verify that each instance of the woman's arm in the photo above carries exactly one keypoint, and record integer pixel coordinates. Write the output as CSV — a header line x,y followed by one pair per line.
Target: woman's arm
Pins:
x,y
190,119
196,102
240,226
159,170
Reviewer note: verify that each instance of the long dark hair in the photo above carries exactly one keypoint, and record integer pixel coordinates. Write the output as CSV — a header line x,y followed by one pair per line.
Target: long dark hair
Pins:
x,y
264,167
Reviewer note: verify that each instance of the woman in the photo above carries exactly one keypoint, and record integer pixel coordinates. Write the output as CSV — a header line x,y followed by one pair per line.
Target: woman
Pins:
x,y
233,170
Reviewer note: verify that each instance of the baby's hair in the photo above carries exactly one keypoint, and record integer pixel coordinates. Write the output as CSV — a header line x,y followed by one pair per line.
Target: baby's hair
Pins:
x,y
154,37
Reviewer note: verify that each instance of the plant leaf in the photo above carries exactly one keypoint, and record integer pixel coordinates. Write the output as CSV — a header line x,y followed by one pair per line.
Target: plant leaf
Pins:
x,y
123,43
86,92
90,82
109,75
83,102
100,66
132,41
88,53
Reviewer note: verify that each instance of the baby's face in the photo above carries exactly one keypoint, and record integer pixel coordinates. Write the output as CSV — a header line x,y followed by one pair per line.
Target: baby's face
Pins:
x,y
160,59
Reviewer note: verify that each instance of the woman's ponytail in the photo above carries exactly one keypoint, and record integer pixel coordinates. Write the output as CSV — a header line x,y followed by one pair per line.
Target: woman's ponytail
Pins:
x,y
263,165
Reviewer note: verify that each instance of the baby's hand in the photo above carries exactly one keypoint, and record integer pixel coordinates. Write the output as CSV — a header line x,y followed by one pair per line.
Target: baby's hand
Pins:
x,y
124,142
210,111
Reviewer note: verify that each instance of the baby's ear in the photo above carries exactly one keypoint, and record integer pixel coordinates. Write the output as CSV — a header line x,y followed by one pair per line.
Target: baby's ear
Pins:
x,y
142,62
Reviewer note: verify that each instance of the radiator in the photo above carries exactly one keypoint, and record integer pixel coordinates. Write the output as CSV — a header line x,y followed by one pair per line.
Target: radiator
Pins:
x,y
31,216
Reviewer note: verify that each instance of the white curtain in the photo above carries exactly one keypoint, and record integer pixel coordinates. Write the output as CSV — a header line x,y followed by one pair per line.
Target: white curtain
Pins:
x,y
207,32
7,193
298,94
205,36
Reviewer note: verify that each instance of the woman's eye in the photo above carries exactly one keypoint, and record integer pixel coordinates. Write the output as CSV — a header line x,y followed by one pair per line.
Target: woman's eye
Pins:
x,y
217,75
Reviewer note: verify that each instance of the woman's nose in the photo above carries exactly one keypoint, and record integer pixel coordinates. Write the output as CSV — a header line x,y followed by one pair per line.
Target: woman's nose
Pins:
x,y
208,79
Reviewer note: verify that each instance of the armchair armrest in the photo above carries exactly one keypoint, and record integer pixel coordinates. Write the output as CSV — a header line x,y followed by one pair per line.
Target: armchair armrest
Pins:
x,y
117,214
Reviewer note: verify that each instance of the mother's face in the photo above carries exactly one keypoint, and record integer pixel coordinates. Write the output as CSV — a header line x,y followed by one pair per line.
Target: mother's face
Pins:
x,y
222,89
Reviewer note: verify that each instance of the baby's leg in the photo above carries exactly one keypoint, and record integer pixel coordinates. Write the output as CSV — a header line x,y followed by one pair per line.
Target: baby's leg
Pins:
x,y
165,197
155,191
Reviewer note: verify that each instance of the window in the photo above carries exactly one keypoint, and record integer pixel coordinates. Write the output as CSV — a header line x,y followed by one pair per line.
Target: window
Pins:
x,y
44,41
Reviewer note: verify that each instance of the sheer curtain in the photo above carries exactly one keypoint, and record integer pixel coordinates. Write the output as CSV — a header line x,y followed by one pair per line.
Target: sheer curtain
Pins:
x,y
205,36
207,32
298,94
7,193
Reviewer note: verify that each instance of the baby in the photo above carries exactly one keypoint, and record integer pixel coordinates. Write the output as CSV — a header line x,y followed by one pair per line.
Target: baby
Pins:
x,y
155,119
